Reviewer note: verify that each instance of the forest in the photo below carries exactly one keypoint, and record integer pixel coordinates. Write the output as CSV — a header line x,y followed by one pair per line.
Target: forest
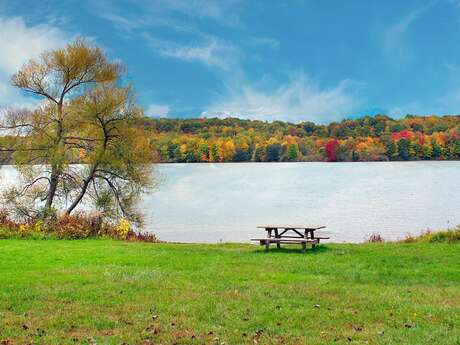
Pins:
x,y
369,138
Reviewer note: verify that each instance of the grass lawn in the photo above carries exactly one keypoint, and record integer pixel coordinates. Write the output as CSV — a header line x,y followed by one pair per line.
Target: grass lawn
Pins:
x,y
113,292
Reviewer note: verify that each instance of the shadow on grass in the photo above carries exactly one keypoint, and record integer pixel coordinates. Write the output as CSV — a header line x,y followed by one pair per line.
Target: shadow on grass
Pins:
x,y
294,250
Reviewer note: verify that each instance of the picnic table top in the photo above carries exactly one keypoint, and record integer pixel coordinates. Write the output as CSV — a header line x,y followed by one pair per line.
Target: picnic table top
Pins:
x,y
290,226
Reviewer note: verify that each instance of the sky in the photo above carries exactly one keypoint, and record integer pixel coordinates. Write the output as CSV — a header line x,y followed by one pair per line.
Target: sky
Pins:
x,y
292,60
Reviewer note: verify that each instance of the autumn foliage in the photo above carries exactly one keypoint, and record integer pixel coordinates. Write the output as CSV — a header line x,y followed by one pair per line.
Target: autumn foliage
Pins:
x,y
377,138
331,148
77,226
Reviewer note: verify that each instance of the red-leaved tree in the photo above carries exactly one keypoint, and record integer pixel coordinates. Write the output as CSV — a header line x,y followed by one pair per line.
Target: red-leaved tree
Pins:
x,y
331,150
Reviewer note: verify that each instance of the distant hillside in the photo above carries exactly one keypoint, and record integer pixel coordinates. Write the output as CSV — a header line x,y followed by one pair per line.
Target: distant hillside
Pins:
x,y
370,138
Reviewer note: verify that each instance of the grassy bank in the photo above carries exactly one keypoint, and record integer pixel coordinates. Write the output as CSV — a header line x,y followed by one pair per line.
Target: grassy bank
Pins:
x,y
113,292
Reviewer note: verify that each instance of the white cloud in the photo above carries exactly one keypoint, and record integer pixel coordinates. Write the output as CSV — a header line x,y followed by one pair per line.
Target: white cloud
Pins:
x,y
200,8
211,52
157,110
179,15
300,99
184,17
19,43
224,11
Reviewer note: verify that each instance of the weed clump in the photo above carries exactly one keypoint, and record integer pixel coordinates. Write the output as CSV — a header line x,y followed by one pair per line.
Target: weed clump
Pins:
x,y
78,226
449,236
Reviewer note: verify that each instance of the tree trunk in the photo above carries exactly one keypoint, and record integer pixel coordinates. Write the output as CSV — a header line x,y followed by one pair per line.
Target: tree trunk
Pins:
x,y
82,193
54,179
90,176
56,169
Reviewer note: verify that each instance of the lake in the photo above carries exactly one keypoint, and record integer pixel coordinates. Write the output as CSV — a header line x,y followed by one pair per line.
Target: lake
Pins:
x,y
225,202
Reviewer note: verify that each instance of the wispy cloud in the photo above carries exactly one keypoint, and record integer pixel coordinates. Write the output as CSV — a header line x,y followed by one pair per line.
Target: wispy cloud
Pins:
x,y
157,110
129,24
265,41
394,43
210,51
20,42
217,10
300,99
171,13
188,22
179,16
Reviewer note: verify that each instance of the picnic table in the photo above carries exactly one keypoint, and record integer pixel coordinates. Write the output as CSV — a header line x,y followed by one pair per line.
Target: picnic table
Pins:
x,y
290,234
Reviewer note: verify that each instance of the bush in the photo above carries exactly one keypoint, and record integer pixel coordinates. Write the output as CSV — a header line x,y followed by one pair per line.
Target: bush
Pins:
x,y
5,233
448,236
78,226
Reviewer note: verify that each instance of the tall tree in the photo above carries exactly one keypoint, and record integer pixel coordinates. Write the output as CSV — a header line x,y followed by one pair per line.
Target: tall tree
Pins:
x,y
83,117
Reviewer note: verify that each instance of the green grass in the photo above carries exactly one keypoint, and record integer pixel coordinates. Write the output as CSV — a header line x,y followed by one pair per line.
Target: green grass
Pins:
x,y
113,292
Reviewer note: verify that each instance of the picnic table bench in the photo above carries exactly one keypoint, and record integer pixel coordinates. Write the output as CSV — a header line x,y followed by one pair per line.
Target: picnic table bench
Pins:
x,y
290,234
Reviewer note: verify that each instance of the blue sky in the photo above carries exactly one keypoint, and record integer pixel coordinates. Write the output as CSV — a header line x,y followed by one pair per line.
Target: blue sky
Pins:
x,y
289,60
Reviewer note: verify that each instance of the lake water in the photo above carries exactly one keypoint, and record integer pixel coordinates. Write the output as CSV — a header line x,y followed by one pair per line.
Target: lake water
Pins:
x,y
225,202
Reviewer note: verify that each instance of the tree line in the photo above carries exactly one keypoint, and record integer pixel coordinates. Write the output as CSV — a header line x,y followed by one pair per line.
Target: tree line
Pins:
x,y
369,138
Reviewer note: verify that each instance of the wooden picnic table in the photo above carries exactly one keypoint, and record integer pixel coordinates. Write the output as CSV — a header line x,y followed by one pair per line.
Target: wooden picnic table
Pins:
x,y
290,234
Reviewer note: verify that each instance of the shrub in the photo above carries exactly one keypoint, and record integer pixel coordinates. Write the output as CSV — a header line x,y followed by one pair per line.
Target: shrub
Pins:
x,y
6,222
78,226
448,236
74,227
5,233
123,228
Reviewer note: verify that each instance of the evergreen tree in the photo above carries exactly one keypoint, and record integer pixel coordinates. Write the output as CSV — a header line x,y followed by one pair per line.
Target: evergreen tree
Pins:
x,y
273,153
391,150
293,152
403,149
437,150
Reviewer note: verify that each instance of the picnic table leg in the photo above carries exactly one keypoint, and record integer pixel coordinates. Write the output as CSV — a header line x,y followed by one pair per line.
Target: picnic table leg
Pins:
x,y
278,245
267,242
312,236
304,247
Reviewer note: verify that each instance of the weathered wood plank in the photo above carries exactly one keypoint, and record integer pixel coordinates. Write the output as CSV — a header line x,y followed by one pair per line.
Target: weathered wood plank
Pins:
x,y
295,226
285,240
